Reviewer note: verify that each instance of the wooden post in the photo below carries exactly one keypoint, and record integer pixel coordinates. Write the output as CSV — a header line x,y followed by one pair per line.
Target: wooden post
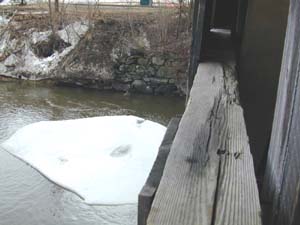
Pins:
x,y
282,178
201,21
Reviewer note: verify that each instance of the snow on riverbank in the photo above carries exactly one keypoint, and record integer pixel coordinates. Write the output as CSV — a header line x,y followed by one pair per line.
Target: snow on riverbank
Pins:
x,y
106,160
23,60
113,2
3,21
70,34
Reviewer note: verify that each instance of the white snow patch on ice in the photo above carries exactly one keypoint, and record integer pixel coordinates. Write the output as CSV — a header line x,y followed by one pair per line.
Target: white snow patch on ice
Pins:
x,y
106,160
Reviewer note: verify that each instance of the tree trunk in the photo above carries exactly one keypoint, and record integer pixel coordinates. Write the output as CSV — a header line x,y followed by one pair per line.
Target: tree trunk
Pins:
x,y
56,4
51,17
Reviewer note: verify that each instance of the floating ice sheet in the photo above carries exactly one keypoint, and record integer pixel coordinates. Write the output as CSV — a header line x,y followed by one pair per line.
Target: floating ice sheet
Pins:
x,y
105,160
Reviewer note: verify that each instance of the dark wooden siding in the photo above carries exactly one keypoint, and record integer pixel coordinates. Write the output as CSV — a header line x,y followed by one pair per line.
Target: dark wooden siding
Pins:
x,y
282,179
259,69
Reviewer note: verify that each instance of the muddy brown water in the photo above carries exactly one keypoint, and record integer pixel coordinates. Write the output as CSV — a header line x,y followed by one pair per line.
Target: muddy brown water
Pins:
x,y
28,198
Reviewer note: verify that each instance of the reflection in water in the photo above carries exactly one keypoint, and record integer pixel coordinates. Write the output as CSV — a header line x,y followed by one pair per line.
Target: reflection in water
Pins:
x,y
26,197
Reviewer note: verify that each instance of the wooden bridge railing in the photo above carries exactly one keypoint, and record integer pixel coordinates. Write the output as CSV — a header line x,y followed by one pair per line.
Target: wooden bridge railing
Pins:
x,y
209,176
147,194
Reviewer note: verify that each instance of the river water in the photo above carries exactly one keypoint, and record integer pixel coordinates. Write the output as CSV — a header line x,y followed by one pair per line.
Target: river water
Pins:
x,y
28,198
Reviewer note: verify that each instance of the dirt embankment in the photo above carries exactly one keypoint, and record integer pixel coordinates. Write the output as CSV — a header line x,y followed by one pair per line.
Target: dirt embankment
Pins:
x,y
126,51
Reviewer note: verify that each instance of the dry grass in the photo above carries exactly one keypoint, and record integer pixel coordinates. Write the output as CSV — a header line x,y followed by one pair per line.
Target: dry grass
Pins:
x,y
167,28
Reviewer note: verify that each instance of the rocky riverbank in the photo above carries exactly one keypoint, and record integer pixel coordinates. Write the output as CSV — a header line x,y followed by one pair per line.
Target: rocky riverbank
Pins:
x,y
127,55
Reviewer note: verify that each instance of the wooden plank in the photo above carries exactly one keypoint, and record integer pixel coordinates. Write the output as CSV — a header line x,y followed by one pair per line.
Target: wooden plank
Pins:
x,y
282,179
147,194
209,175
237,199
187,189
146,197
200,21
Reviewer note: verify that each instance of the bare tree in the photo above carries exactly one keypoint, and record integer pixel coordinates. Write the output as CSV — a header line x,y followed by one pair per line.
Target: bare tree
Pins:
x,y
56,6
51,19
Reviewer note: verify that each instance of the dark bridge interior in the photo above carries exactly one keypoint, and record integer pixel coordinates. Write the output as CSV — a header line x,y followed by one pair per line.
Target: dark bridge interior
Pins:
x,y
257,42
258,31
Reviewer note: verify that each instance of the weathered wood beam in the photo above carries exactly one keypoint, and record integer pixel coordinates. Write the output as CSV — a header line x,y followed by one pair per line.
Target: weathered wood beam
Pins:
x,y
147,194
202,13
209,175
282,178
237,198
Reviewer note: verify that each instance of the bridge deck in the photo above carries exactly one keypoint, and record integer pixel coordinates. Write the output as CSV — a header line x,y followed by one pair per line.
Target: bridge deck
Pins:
x,y
209,175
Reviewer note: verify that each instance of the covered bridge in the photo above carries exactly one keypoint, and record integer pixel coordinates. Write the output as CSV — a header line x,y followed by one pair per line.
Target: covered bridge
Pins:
x,y
230,159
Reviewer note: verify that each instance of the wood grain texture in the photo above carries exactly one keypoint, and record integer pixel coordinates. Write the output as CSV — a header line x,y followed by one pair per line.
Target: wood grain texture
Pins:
x,y
147,193
237,197
282,179
209,175
187,189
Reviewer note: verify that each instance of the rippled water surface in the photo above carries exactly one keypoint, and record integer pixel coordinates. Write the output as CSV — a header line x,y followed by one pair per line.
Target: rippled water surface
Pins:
x,y
26,197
